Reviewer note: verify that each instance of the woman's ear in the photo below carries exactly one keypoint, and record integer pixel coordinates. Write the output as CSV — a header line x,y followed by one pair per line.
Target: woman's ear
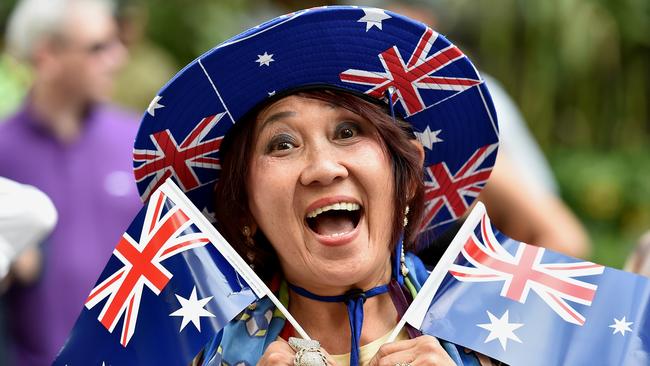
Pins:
x,y
420,149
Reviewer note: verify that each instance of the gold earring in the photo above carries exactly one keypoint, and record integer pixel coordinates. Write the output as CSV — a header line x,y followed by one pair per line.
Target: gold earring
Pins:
x,y
248,235
406,212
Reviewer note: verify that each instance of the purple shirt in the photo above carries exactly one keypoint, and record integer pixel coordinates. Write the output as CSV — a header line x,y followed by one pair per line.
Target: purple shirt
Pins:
x,y
91,184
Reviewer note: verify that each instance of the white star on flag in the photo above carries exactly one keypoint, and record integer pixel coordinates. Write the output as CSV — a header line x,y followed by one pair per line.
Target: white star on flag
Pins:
x,y
265,59
271,93
501,329
621,326
154,105
373,18
428,137
192,310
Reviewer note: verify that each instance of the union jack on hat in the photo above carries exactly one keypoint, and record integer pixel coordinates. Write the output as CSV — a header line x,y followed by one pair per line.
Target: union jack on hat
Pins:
x,y
365,51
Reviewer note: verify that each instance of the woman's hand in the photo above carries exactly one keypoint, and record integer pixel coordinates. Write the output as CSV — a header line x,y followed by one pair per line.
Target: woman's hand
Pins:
x,y
421,351
279,352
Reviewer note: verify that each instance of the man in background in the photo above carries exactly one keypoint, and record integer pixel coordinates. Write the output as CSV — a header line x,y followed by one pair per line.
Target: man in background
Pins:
x,y
66,141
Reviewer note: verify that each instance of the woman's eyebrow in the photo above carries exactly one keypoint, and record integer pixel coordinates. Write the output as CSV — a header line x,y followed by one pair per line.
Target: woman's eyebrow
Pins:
x,y
276,117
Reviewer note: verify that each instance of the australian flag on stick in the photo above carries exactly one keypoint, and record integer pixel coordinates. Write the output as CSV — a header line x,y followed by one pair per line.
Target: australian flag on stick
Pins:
x,y
170,285
525,305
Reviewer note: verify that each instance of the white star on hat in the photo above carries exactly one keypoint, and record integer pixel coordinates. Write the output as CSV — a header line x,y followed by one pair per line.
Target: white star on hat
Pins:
x,y
501,329
621,326
265,59
373,18
428,137
192,310
154,105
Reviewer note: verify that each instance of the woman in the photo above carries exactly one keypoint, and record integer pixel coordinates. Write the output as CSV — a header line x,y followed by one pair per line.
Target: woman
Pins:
x,y
320,184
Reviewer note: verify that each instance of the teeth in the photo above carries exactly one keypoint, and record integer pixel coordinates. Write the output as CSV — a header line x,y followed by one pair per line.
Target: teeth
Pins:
x,y
347,206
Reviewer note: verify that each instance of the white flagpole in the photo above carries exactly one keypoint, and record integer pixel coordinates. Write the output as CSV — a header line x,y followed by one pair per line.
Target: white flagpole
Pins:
x,y
414,315
257,285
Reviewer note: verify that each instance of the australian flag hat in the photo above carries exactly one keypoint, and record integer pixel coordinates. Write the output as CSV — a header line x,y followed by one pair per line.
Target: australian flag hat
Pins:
x,y
365,51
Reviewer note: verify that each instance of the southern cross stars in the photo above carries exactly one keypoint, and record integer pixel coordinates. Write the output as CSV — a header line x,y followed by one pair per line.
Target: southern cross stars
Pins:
x,y
192,310
373,18
621,326
428,137
265,59
501,329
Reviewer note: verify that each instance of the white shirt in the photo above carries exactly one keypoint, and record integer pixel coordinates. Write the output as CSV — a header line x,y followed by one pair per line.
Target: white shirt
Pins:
x,y
27,215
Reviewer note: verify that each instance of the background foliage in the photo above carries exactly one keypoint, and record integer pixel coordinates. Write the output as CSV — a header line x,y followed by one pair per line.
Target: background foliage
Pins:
x,y
578,69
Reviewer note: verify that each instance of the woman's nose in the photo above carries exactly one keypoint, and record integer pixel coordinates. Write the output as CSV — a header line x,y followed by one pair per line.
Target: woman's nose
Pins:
x,y
323,166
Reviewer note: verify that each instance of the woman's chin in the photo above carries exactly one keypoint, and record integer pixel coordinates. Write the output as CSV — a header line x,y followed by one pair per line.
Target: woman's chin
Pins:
x,y
351,271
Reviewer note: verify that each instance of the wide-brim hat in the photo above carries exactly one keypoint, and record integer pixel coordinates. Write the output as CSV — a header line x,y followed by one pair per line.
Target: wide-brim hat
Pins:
x,y
366,51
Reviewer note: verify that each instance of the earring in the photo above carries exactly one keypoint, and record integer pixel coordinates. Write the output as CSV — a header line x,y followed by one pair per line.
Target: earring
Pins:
x,y
406,212
403,267
248,236
402,260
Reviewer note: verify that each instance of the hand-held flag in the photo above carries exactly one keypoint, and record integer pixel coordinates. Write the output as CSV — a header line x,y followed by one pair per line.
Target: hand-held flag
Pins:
x,y
526,305
172,282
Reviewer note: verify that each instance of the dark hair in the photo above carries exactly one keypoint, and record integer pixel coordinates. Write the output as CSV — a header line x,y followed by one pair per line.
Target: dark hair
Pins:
x,y
231,196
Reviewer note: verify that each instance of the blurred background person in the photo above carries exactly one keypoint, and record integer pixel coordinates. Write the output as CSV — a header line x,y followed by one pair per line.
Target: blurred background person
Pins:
x,y
639,259
67,141
27,216
522,196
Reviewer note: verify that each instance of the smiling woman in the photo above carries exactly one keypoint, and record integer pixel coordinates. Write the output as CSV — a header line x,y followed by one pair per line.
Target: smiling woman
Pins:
x,y
333,164
321,158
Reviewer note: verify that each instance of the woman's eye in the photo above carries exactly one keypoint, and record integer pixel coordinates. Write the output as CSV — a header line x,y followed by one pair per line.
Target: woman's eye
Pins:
x,y
280,143
283,146
347,130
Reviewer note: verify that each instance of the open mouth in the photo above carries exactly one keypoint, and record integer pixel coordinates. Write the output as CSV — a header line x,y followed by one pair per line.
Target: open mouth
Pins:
x,y
334,220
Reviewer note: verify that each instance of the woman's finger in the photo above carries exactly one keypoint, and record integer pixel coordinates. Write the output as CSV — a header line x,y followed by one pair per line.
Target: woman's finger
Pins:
x,y
421,351
278,353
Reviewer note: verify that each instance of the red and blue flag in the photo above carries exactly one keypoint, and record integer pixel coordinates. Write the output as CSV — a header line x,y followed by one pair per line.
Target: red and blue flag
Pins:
x,y
165,292
526,305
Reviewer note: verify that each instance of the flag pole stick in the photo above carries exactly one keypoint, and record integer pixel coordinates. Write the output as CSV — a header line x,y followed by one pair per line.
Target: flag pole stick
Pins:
x,y
414,315
398,328
257,285
288,315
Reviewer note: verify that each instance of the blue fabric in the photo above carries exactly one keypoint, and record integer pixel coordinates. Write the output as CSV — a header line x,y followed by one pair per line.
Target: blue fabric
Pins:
x,y
354,302
240,346
397,261
355,314
418,274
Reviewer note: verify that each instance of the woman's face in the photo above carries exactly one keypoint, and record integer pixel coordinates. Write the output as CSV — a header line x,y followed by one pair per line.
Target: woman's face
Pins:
x,y
321,189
